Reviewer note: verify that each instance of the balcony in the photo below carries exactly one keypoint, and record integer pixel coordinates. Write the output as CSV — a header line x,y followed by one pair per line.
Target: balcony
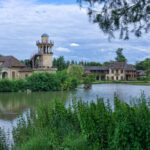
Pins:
x,y
48,42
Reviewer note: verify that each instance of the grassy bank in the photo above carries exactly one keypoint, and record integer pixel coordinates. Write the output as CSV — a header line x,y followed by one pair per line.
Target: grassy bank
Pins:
x,y
123,82
86,126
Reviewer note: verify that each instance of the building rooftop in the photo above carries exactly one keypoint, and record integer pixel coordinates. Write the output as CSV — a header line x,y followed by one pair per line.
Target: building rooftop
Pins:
x,y
113,65
10,61
88,68
121,65
141,73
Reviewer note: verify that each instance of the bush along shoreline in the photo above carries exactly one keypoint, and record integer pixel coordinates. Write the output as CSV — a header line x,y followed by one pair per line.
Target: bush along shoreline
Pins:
x,y
40,82
86,126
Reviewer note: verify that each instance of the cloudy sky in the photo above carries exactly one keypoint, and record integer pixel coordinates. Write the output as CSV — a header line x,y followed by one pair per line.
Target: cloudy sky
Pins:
x,y
22,22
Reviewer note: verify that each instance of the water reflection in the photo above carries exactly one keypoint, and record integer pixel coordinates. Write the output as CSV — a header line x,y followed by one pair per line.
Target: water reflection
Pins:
x,y
12,105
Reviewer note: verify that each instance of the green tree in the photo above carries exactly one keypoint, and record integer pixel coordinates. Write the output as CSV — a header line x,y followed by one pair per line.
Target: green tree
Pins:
x,y
120,57
124,16
106,63
143,65
76,72
93,64
26,62
60,63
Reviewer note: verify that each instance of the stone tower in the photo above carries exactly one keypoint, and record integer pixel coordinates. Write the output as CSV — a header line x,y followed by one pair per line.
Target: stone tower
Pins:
x,y
45,51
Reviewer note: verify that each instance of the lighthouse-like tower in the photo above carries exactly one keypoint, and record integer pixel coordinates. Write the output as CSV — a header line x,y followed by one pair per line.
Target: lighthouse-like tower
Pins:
x,y
45,51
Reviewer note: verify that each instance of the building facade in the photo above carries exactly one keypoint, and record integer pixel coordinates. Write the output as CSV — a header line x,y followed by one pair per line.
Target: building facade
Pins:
x,y
12,68
115,71
42,61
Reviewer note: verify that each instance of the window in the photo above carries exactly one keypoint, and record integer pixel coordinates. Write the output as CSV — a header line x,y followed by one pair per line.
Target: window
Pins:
x,y
117,71
121,71
116,78
121,77
97,78
112,71
13,75
112,78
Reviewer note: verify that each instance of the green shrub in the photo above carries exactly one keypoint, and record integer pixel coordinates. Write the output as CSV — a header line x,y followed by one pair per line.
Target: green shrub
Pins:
x,y
40,82
86,126
92,78
6,85
144,78
19,85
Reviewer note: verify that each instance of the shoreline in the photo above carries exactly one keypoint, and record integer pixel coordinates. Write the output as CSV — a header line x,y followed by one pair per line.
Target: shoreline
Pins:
x,y
123,82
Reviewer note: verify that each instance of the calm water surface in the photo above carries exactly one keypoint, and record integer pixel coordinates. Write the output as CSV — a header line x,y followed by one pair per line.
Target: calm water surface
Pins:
x,y
12,105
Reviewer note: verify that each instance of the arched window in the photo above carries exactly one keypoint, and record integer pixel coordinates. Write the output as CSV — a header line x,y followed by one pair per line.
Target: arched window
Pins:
x,y
4,75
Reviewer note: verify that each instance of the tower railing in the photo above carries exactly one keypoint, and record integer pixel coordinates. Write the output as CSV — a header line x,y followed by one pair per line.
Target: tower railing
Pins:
x,y
48,42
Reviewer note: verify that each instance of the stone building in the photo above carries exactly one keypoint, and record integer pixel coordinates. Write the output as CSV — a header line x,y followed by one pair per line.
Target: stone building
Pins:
x,y
42,61
12,68
115,71
141,74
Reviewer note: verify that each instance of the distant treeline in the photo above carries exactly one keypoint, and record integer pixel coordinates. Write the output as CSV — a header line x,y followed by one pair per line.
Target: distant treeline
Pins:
x,y
61,64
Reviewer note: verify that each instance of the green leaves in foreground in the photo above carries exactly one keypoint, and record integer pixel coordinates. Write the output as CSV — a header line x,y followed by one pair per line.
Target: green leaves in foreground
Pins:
x,y
86,126
3,142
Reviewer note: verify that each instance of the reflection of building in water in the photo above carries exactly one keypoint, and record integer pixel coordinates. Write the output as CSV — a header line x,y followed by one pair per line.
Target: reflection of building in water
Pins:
x,y
41,62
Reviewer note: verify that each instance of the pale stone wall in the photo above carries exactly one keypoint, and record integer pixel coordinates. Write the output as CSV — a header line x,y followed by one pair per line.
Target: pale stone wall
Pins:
x,y
46,60
13,73
41,70
23,75
7,70
115,74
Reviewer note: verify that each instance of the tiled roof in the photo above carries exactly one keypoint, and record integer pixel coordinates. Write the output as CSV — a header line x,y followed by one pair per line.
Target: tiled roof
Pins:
x,y
9,62
113,65
88,68
117,65
141,73
121,65
25,69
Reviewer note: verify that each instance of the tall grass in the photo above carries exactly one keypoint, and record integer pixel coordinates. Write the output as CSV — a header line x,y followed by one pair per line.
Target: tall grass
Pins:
x,y
86,126
3,142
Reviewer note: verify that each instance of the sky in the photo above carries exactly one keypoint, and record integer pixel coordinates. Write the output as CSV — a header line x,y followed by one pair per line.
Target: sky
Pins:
x,y
22,22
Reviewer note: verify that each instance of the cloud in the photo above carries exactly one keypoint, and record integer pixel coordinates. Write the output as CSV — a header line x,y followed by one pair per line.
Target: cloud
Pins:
x,y
23,22
62,49
74,45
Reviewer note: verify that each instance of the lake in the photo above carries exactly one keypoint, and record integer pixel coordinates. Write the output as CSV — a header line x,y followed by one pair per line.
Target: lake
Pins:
x,y
13,105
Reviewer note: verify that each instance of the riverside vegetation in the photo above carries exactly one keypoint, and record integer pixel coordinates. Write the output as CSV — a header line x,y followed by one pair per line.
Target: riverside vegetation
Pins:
x,y
41,82
85,126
